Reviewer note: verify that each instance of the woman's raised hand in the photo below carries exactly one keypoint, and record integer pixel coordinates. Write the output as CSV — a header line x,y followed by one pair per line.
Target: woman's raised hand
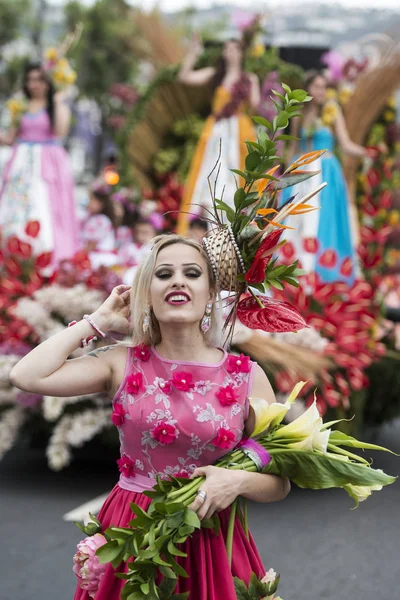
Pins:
x,y
113,314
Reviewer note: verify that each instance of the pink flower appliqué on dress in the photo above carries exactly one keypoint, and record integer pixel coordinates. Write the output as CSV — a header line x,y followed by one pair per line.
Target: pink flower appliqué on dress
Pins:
x,y
238,364
118,414
223,439
134,383
164,433
165,386
126,466
142,352
227,395
182,381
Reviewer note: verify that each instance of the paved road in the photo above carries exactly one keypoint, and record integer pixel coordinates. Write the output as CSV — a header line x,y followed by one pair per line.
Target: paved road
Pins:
x,y
322,549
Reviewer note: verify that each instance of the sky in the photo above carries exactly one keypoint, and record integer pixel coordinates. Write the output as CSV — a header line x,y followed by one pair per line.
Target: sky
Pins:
x,y
173,5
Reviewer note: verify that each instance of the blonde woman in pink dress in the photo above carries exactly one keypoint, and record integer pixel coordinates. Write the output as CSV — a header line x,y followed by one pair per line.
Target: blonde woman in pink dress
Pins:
x,y
179,402
37,182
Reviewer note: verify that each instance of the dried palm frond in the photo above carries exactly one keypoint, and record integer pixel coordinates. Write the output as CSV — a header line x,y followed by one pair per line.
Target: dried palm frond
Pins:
x,y
164,45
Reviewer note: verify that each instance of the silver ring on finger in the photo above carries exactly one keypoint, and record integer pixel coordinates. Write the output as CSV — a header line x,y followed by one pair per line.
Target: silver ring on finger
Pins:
x,y
202,495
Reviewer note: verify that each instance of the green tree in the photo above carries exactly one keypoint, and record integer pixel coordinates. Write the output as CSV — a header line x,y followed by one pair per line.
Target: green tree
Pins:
x,y
12,17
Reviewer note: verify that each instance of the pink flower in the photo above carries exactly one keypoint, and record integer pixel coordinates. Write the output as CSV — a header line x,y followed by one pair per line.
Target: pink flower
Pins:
x,y
165,386
227,395
224,438
87,567
134,383
118,414
142,352
126,466
182,381
164,433
238,364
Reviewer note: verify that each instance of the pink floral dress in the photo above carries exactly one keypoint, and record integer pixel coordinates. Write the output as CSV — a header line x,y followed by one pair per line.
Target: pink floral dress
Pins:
x,y
173,417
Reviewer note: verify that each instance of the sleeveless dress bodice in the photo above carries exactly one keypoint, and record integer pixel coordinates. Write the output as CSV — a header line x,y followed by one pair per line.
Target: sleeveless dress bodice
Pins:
x,y
222,96
175,416
322,139
35,127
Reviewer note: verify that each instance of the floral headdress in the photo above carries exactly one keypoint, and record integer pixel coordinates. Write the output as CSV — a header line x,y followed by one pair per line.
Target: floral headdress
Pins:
x,y
55,63
244,238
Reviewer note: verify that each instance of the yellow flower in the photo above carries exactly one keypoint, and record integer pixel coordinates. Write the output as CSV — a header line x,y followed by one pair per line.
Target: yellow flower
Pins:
x,y
329,113
382,212
62,64
331,94
388,116
394,218
257,50
392,103
51,54
345,95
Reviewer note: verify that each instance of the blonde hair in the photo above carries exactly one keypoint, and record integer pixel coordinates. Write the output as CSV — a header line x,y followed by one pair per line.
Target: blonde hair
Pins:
x,y
140,295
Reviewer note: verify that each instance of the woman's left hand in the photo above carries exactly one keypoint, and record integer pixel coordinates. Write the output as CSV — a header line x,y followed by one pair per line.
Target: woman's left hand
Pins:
x,y
222,487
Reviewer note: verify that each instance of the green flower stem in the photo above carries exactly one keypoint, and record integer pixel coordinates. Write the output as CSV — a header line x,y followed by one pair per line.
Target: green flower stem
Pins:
x,y
260,304
193,484
231,527
245,517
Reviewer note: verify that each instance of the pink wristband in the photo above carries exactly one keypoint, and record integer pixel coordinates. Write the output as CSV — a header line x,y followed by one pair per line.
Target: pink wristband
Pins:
x,y
95,327
85,341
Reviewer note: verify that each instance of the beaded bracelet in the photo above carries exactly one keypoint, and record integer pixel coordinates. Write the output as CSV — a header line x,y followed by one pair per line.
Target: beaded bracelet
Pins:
x,y
85,341
95,327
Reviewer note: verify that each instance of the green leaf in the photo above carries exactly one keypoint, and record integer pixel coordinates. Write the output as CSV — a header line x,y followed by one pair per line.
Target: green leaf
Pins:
x,y
239,197
238,172
167,586
182,596
108,552
255,145
174,507
139,512
262,121
119,533
288,180
81,527
167,572
279,95
317,471
145,587
276,284
174,550
252,160
159,561
341,439
179,570
281,121
286,88
291,281
298,95
191,518
241,589
284,136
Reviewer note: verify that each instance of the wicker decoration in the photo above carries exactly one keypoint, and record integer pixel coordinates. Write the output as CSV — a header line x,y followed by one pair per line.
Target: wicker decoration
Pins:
x,y
226,260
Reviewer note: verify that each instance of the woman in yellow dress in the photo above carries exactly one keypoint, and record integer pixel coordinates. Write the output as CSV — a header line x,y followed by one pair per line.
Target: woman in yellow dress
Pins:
x,y
235,91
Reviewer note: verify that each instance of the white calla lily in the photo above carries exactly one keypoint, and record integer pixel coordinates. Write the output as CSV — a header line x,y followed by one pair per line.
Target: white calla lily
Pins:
x,y
303,426
361,492
271,415
321,440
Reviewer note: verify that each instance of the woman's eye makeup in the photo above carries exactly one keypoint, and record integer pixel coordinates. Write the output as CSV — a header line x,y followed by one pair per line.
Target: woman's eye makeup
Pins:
x,y
166,273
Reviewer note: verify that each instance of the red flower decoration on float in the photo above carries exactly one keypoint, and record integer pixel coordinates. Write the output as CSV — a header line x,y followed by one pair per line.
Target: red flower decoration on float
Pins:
x,y
32,229
164,433
126,466
142,352
273,316
224,438
256,273
118,414
346,268
328,259
238,364
134,383
227,395
43,260
311,245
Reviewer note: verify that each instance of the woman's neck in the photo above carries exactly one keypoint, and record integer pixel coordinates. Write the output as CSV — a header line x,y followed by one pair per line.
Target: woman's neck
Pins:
x,y
184,344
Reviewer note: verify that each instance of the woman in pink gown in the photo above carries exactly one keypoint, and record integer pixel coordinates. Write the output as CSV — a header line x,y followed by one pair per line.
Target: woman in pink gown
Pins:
x,y
37,182
180,402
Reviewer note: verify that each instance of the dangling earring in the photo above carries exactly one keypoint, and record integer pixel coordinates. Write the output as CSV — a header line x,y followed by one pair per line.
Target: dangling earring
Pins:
x,y
206,320
146,320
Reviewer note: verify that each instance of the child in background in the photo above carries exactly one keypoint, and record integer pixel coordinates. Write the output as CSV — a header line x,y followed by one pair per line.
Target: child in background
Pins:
x,y
198,229
126,215
98,229
143,232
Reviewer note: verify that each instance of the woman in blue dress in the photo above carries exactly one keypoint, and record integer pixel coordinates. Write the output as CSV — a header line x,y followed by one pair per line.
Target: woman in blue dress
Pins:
x,y
326,241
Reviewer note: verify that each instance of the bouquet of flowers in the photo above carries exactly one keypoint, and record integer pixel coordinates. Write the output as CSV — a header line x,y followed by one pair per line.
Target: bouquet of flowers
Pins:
x,y
307,451
17,107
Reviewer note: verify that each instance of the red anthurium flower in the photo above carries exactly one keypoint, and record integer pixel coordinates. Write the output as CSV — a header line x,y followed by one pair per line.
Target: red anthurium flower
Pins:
x,y
227,395
238,364
385,200
224,438
312,279
32,229
311,245
43,260
284,381
142,353
361,290
373,177
13,245
126,466
181,380
357,379
331,396
13,267
342,385
118,414
346,268
328,259
164,433
134,383
262,257
273,316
